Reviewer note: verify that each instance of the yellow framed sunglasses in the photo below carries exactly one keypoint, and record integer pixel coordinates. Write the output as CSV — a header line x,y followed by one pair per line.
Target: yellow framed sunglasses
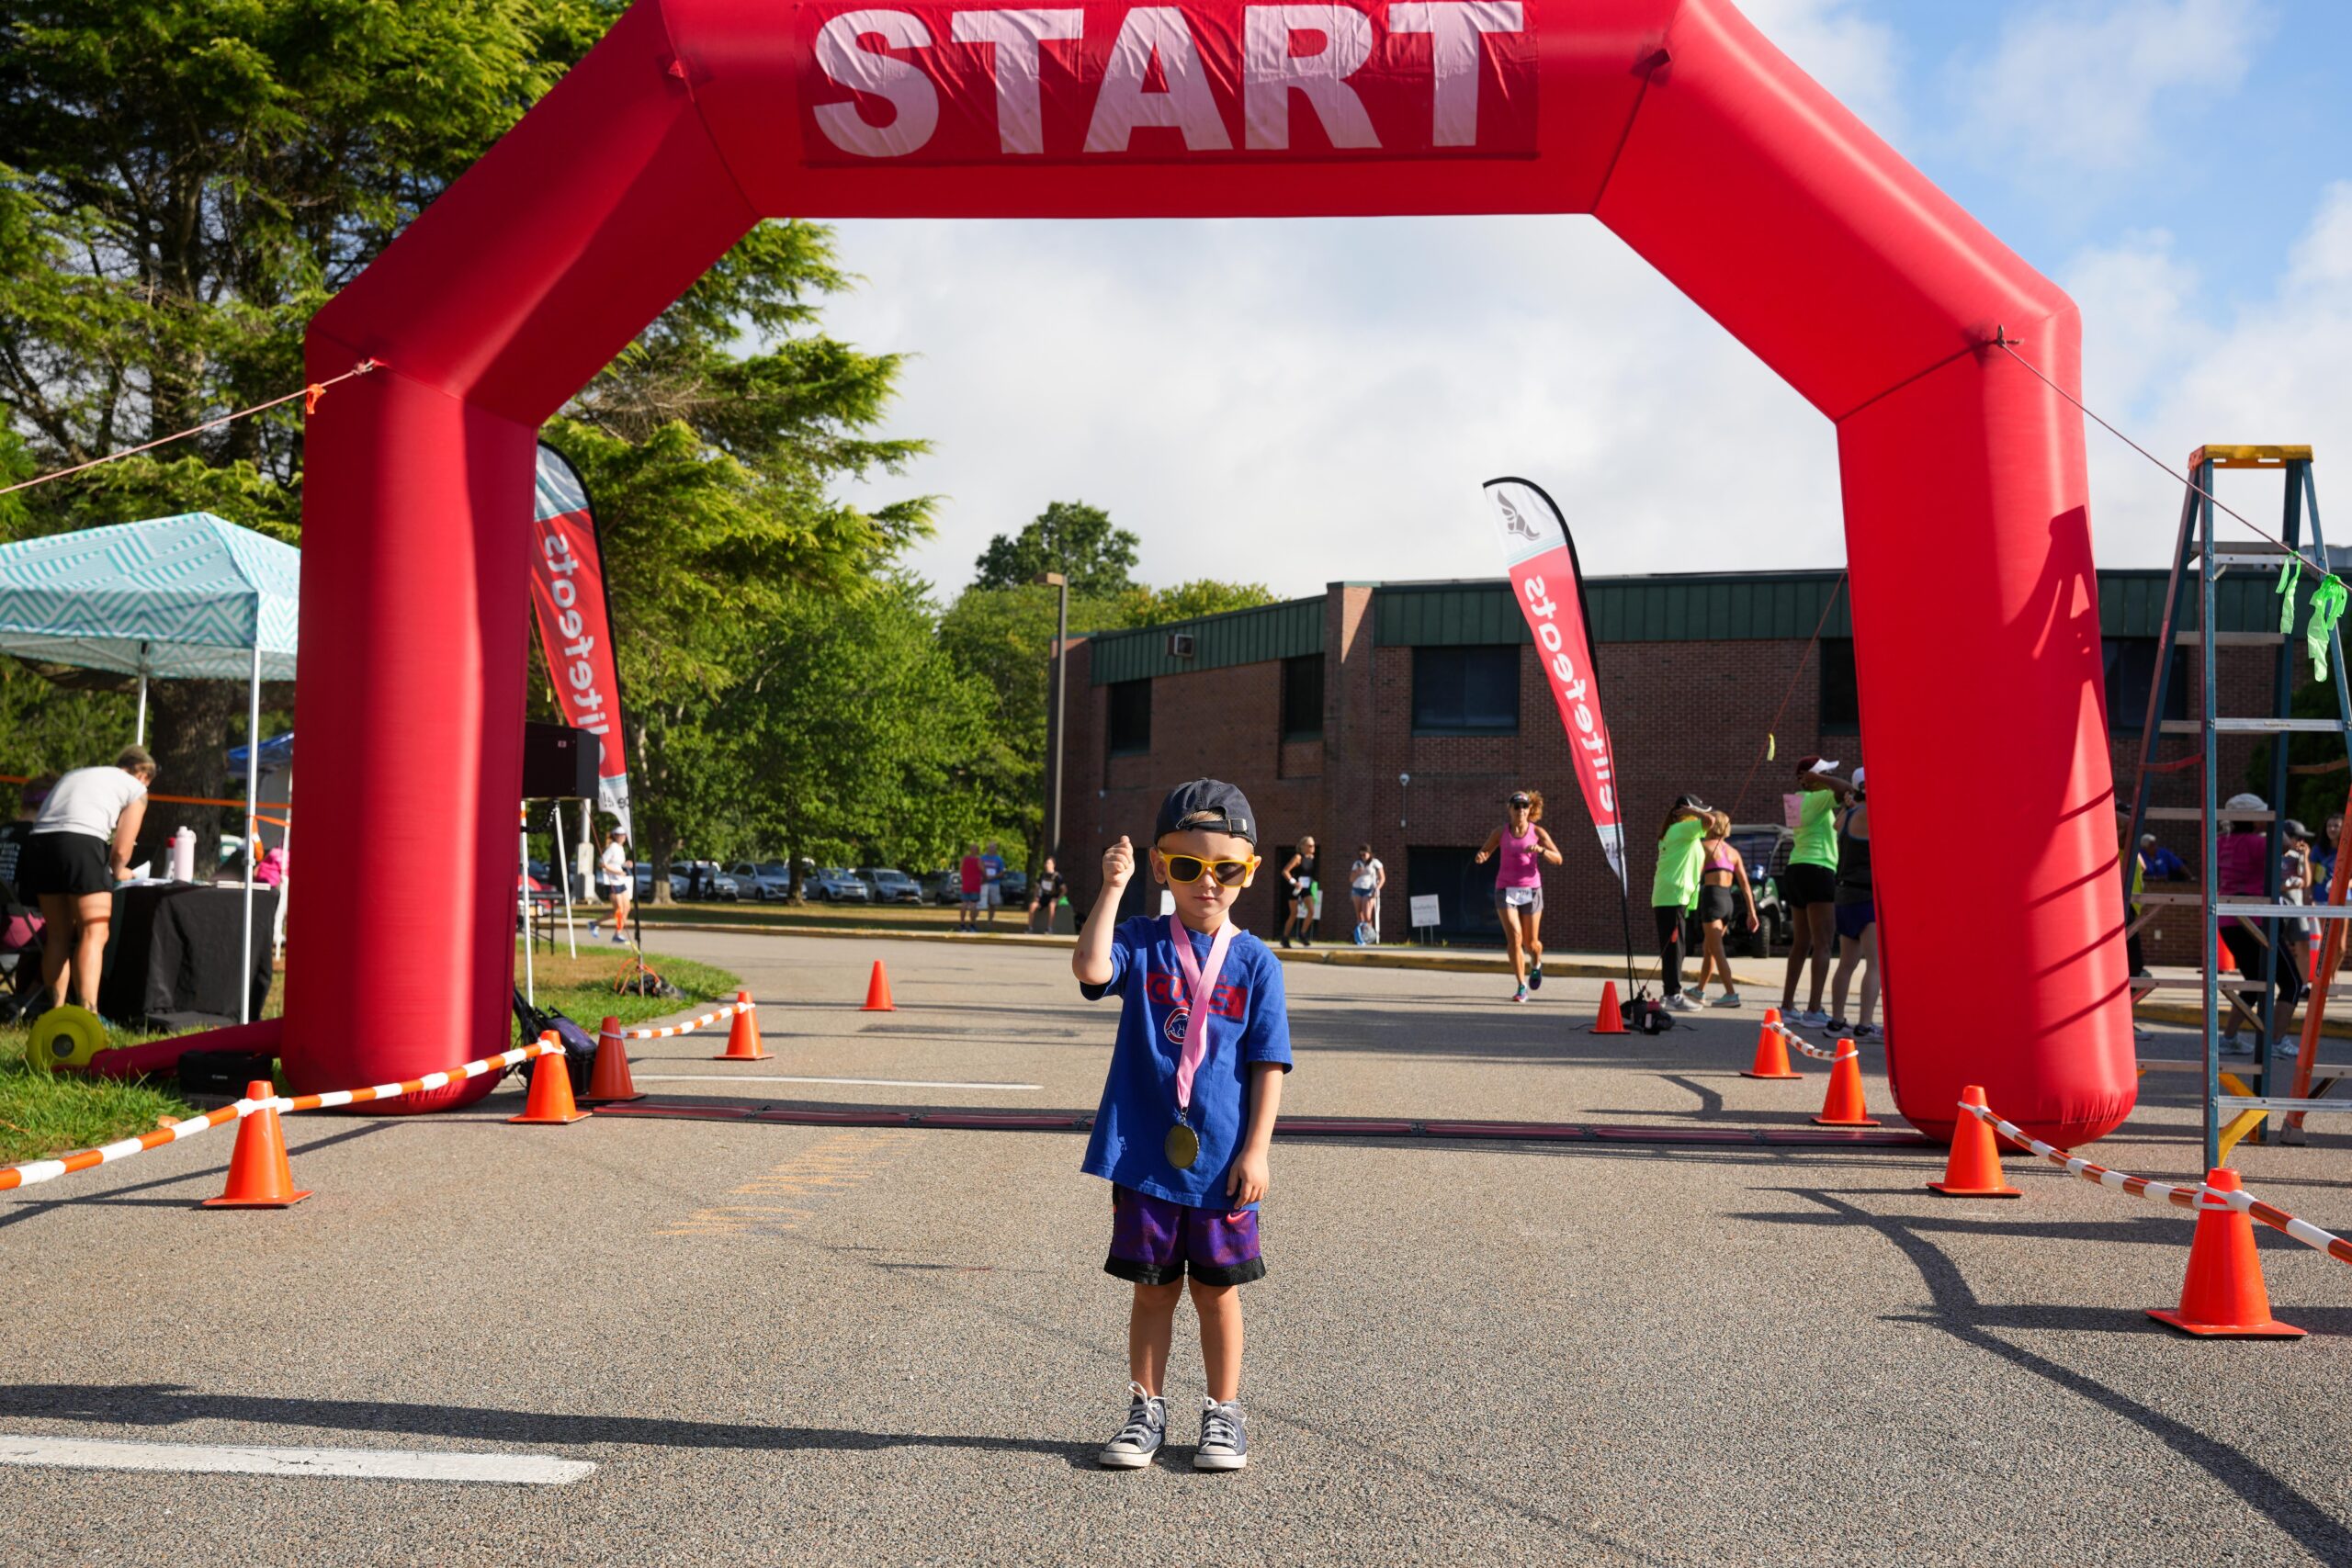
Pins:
x,y
1189,869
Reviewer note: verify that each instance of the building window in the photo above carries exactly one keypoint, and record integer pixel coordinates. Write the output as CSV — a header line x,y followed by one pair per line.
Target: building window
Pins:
x,y
1465,691
1130,721
2130,670
1842,698
1303,697
1464,889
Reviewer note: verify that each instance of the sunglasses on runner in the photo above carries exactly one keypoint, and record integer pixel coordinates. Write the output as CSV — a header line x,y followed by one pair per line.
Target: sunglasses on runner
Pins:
x,y
1189,869
1521,803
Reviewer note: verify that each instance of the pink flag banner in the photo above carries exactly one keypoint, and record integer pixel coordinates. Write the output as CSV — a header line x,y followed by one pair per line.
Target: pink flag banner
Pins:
x,y
1549,585
575,620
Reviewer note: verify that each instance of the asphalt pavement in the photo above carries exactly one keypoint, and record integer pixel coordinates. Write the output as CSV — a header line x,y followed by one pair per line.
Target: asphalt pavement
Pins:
x,y
785,1343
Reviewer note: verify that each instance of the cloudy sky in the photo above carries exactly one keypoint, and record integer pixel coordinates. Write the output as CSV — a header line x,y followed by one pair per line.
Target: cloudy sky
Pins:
x,y
1295,403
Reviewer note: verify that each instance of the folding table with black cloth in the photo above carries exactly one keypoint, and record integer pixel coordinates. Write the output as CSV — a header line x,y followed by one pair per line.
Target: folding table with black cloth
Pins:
x,y
173,953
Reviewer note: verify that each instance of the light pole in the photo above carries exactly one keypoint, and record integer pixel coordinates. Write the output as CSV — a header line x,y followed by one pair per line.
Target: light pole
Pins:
x,y
1060,679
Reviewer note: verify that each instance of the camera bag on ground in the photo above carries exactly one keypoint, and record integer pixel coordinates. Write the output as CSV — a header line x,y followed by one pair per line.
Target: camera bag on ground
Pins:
x,y
579,1045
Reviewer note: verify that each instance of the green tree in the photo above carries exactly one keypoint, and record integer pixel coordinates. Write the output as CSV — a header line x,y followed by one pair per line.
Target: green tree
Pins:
x,y
859,734
1070,538
182,184
713,470
1006,636
1186,600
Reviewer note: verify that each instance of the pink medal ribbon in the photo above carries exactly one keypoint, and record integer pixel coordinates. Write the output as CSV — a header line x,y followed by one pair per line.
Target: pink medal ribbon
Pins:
x,y
1200,984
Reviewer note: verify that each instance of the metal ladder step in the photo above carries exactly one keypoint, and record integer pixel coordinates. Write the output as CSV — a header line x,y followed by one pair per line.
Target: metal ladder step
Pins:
x,y
2193,814
2256,726
2263,909
2242,640
2190,899
2250,547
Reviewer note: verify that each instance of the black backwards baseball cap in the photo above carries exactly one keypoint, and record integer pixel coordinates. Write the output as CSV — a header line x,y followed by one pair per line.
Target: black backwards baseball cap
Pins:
x,y
1211,805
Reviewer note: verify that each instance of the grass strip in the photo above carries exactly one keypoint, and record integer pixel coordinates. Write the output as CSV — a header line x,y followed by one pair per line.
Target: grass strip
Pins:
x,y
44,1113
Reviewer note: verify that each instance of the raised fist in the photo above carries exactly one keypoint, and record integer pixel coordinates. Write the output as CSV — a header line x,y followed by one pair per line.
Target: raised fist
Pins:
x,y
1118,864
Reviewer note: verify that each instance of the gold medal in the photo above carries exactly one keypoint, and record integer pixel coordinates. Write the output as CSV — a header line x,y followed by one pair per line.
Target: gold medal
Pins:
x,y
1183,1146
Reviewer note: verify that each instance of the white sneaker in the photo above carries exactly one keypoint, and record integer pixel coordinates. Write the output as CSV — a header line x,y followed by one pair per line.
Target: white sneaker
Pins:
x,y
1679,1003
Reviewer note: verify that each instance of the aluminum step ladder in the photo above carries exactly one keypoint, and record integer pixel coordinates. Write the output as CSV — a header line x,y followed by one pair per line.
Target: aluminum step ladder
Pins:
x,y
2200,563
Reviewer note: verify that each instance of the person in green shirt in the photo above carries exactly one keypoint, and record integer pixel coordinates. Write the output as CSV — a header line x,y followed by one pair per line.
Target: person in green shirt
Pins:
x,y
1674,890
1810,888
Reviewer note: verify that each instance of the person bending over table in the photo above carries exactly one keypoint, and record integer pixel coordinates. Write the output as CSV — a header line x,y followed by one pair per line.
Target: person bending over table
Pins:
x,y
78,848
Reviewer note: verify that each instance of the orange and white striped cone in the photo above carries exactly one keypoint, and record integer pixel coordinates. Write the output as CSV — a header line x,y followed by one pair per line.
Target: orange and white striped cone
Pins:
x,y
1842,1107
609,1083
743,1034
1771,1051
550,1104
259,1177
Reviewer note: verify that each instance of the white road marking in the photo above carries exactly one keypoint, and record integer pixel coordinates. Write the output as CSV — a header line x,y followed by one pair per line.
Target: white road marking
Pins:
x,y
771,1078
378,1464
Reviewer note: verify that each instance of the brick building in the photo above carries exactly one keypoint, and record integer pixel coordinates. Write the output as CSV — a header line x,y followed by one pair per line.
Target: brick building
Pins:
x,y
1402,714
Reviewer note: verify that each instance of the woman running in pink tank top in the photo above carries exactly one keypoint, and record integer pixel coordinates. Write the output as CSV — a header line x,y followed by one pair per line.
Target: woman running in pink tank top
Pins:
x,y
1519,885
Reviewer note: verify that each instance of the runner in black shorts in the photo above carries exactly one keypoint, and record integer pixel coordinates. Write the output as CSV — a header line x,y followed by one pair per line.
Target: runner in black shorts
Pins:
x,y
1809,887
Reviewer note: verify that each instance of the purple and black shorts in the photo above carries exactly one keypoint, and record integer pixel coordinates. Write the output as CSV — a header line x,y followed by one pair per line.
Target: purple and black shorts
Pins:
x,y
1157,1242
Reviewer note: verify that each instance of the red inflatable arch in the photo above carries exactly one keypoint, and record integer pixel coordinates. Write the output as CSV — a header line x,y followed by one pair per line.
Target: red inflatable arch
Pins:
x,y
1672,121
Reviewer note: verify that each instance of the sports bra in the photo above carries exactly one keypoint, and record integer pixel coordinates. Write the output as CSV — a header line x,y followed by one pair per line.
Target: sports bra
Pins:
x,y
1720,857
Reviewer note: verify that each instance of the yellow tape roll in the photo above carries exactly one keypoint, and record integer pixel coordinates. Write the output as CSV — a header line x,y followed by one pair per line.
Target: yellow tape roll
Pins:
x,y
66,1037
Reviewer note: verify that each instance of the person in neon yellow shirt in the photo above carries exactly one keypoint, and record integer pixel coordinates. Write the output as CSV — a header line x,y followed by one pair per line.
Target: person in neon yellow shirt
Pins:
x,y
1674,890
1810,888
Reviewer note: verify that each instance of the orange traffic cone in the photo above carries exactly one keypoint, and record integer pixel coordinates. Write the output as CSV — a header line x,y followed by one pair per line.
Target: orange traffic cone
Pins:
x,y
1974,1170
877,991
550,1102
259,1177
2223,1297
609,1083
2224,961
1771,1051
743,1034
1612,1017
1843,1105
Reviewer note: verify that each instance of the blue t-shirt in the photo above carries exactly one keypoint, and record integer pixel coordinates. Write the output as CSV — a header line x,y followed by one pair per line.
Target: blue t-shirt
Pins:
x,y
992,868
1250,1023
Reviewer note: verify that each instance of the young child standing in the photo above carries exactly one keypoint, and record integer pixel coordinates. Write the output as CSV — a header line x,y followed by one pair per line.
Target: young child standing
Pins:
x,y
1188,1108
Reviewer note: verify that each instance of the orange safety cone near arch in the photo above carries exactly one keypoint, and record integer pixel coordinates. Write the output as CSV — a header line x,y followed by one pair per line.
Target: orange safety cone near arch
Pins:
x,y
877,991
259,1177
550,1104
744,1032
1973,1168
609,1083
1771,1051
1842,1107
1612,1017
2223,1297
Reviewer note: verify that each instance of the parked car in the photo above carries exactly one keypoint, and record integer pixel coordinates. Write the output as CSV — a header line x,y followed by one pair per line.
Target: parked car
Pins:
x,y
691,878
1766,847
768,882
943,886
889,886
1014,887
831,884
644,881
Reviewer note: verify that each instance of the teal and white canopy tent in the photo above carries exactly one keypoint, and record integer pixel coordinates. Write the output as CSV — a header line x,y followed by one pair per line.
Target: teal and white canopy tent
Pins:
x,y
191,597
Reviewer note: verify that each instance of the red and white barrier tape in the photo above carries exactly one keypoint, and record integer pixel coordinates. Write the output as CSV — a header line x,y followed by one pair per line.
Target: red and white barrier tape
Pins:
x,y
2197,1197
729,1010
1790,1036
42,1171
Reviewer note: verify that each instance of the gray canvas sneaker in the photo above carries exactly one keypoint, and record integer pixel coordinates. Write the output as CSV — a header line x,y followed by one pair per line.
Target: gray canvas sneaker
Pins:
x,y
1225,1443
1147,1429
